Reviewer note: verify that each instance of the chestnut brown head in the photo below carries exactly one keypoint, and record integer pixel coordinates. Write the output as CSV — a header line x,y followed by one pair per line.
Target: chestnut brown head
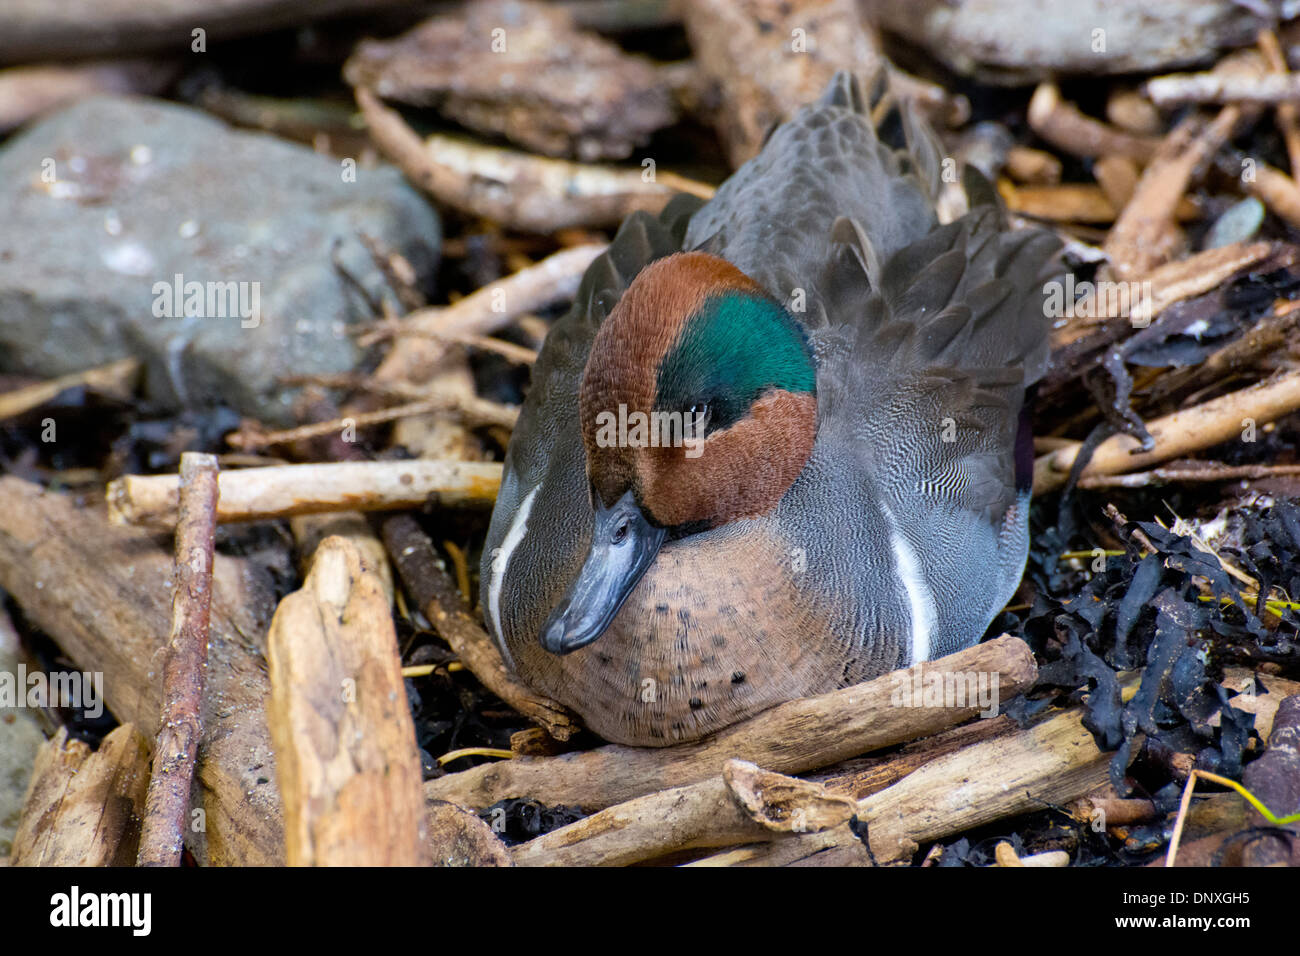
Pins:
x,y
698,407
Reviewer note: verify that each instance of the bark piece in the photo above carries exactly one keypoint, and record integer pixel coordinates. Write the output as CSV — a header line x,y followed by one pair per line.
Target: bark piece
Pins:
x,y
344,740
770,57
522,71
459,838
83,808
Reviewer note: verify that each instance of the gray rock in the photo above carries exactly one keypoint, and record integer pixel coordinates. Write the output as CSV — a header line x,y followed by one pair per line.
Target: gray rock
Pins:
x,y
143,192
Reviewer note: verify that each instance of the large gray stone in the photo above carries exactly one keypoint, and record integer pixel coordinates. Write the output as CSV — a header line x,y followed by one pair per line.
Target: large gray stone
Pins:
x,y
144,191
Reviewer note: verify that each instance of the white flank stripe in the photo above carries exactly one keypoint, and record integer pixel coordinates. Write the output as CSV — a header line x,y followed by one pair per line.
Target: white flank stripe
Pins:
x,y
918,592
501,563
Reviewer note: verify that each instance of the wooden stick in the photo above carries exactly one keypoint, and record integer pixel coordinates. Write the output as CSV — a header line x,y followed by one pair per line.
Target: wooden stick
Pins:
x,y
1072,202
436,595
116,378
518,190
1205,471
162,835
1288,117
1062,125
1174,282
1141,237
1054,761
83,808
746,804
258,494
342,731
476,410
486,310
1180,433
793,737
1179,89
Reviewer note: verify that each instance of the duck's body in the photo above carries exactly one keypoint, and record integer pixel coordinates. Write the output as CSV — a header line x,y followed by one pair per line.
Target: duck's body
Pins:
x,y
895,528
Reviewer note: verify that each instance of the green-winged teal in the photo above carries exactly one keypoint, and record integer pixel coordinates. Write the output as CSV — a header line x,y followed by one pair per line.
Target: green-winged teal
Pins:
x,y
856,496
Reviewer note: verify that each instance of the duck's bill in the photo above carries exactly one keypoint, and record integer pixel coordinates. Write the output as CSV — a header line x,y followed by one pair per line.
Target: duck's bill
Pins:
x,y
623,545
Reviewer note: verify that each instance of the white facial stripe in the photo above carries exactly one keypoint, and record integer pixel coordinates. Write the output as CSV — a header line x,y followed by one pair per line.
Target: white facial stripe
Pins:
x,y
501,563
919,597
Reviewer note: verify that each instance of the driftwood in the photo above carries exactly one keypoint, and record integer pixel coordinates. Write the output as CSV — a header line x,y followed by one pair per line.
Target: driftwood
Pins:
x,y
342,731
1143,237
746,804
37,30
184,668
115,379
83,808
1179,433
541,83
475,411
518,190
102,593
435,593
554,279
790,738
459,838
256,494
1054,761
27,92
767,58
1062,125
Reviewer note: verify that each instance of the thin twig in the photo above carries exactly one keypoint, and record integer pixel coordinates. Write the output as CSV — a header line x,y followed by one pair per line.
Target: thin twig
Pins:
x,y
168,803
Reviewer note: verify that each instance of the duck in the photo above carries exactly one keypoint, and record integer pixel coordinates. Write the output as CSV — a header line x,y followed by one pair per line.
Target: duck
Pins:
x,y
780,443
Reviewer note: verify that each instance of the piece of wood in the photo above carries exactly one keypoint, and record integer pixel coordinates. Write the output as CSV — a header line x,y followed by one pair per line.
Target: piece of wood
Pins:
x,y
745,804
103,594
281,491
1033,166
115,379
1144,235
793,737
517,190
162,838
459,838
1170,283
38,30
1182,88
1052,762
84,808
474,410
1179,433
437,596
493,307
340,724
1069,130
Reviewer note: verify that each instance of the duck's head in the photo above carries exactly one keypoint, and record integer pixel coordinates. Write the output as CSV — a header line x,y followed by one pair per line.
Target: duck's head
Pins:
x,y
698,407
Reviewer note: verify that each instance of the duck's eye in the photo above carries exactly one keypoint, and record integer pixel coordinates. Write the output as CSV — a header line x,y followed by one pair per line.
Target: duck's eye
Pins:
x,y
699,414
620,532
